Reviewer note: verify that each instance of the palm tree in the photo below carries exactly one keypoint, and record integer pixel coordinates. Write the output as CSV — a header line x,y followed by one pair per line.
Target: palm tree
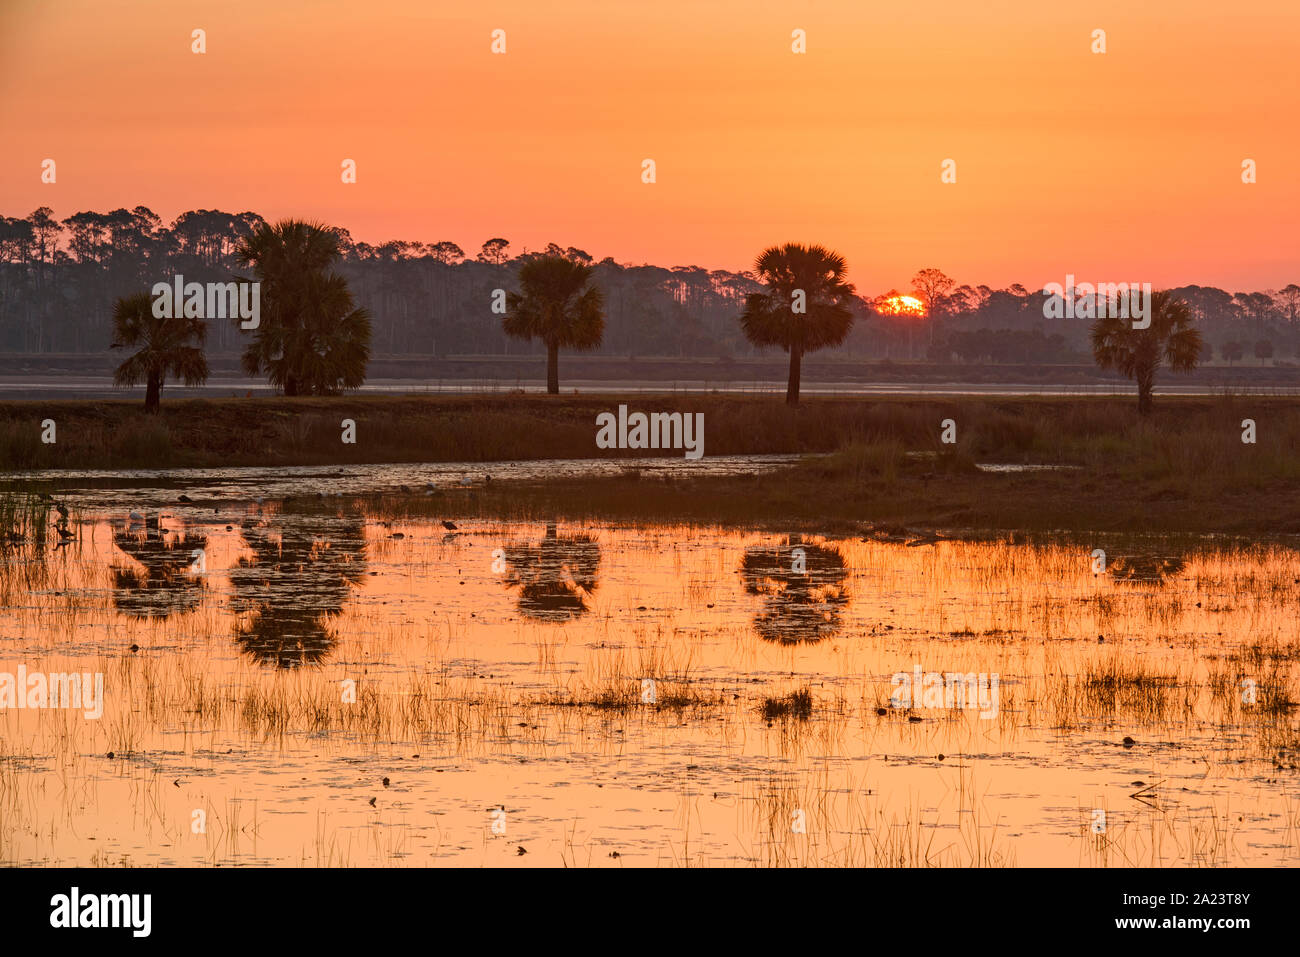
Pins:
x,y
805,308
167,347
313,339
558,307
1171,338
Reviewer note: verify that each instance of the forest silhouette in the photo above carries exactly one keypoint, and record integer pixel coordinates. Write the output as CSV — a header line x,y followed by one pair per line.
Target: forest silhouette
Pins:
x,y
60,278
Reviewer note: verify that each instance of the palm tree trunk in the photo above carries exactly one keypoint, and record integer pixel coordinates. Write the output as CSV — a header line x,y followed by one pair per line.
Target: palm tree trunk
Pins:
x,y
553,369
153,392
792,387
1145,384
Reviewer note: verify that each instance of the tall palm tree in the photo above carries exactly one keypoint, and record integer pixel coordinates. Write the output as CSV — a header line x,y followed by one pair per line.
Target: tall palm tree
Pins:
x,y
1172,338
558,307
313,339
167,347
773,318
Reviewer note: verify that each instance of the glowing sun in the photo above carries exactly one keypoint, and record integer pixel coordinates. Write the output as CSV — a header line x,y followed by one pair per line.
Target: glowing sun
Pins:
x,y
896,304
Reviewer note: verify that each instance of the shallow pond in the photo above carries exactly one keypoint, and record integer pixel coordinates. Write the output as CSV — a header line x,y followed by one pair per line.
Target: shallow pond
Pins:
x,y
360,683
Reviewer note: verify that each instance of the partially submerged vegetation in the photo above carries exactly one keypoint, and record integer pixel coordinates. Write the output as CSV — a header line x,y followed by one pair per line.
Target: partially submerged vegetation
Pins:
x,y
663,695
668,693
1082,464
1084,431
797,705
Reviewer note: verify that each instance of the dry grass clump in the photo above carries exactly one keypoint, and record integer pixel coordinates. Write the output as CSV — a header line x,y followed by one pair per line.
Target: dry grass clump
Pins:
x,y
797,705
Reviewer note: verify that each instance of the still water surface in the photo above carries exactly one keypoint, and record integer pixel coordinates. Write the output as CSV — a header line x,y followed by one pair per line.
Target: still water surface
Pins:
x,y
350,683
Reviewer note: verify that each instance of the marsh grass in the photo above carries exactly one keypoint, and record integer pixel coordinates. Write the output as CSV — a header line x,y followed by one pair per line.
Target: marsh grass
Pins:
x,y
646,677
1118,685
20,444
856,827
863,461
24,516
796,706
1172,662
1187,439
1156,833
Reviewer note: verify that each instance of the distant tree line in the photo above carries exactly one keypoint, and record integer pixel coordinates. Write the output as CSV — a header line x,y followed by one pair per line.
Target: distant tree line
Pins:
x,y
60,279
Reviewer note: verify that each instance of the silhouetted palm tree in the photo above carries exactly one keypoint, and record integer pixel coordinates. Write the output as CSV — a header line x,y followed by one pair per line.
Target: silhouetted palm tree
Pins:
x,y
313,339
806,307
558,307
167,347
1171,338
554,576
803,587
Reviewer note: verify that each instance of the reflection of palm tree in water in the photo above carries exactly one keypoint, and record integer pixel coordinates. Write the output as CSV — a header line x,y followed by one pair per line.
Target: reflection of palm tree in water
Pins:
x,y
1146,569
803,587
164,583
554,576
296,581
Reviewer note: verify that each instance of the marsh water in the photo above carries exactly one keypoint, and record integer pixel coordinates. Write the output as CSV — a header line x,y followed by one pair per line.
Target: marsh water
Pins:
x,y
326,677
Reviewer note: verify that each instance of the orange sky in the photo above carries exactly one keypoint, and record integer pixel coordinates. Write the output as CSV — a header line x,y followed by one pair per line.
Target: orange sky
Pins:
x,y
1122,166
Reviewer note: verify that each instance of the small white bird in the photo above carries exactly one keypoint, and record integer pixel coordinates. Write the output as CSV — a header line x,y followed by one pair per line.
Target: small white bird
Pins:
x,y
466,480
